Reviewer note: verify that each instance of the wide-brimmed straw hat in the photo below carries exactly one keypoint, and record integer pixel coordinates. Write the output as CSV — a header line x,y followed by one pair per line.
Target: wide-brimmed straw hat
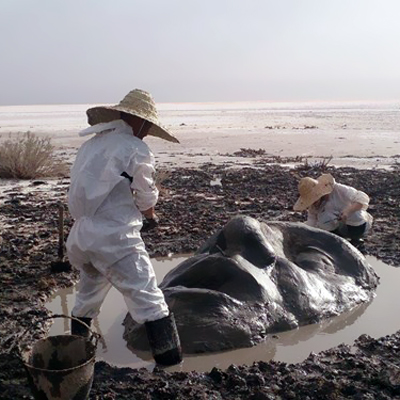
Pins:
x,y
137,102
312,190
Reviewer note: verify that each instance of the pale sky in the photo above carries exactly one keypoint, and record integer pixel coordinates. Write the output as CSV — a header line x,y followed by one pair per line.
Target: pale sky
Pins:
x,y
95,51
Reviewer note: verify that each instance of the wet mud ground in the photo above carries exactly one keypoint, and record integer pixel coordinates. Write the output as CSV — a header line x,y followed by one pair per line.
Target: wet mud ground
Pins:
x,y
190,210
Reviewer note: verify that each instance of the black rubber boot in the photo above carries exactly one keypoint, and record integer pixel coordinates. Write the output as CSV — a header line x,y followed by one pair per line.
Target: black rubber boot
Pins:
x,y
79,329
164,340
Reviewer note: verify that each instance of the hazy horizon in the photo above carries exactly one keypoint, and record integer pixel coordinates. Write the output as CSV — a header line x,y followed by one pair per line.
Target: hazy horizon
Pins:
x,y
94,52
298,105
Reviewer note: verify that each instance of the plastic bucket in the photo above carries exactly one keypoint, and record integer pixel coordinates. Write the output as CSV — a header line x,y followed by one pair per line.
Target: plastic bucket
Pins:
x,y
61,367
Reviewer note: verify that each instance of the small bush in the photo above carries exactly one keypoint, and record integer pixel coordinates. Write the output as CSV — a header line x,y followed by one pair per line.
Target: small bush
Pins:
x,y
320,166
27,156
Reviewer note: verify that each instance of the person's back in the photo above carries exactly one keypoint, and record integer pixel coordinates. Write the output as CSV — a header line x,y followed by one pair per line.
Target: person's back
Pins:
x,y
97,172
112,186
105,204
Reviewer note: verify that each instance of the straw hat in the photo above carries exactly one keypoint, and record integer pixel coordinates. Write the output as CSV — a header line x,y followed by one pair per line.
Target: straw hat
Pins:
x,y
312,190
137,102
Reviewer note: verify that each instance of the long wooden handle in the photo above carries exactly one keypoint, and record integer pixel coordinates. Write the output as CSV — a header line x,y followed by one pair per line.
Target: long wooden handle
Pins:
x,y
60,232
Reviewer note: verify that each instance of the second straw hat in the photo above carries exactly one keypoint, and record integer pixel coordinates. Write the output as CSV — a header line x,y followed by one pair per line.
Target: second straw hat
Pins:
x,y
312,190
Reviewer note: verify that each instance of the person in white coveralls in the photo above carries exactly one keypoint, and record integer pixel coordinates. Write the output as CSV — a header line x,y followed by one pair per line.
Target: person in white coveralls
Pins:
x,y
112,186
334,207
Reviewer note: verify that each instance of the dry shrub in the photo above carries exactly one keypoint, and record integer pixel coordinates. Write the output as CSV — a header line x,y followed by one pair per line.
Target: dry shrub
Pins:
x,y
319,166
27,156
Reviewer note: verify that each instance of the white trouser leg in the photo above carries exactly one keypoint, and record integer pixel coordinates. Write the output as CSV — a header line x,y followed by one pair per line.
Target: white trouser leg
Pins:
x,y
134,277
92,290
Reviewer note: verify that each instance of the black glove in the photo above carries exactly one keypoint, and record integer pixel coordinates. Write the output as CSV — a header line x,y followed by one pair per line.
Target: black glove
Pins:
x,y
149,223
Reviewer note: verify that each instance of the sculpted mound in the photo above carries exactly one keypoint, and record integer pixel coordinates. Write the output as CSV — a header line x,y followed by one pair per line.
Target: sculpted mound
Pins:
x,y
254,278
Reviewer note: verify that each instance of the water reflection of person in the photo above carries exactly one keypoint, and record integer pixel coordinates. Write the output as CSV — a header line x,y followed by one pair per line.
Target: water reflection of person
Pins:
x,y
64,305
334,207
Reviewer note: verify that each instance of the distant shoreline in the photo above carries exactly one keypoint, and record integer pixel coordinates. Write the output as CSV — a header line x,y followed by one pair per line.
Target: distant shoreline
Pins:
x,y
228,104
360,134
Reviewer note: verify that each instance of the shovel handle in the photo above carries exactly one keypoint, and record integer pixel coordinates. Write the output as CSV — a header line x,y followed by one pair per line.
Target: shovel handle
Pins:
x,y
60,232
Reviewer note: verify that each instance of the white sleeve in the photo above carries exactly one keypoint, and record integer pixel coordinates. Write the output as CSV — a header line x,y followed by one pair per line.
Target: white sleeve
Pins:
x,y
143,184
362,198
353,195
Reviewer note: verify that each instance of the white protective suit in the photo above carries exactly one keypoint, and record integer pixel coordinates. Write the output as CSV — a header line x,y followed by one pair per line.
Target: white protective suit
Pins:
x,y
105,242
326,216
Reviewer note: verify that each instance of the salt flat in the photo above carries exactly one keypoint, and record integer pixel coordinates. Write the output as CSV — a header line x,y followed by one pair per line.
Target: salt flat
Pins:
x,y
360,134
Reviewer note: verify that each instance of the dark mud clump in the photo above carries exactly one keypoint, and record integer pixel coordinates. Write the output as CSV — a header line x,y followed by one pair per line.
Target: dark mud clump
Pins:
x,y
191,208
193,204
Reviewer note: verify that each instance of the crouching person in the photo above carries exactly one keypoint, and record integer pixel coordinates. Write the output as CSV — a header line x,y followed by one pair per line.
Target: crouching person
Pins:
x,y
112,186
335,207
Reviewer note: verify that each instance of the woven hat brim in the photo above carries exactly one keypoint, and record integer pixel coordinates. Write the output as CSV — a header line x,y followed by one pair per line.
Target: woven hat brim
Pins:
x,y
321,189
97,115
302,204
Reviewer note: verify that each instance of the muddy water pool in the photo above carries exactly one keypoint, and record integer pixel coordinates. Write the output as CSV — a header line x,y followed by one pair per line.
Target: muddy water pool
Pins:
x,y
377,318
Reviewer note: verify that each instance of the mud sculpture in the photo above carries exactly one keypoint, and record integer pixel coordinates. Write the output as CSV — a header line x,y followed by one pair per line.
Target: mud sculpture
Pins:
x,y
253,278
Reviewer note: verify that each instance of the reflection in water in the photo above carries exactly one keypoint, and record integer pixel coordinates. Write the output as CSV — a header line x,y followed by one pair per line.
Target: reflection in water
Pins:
x,y
63,307
291,346
328,326
268,350
96,328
